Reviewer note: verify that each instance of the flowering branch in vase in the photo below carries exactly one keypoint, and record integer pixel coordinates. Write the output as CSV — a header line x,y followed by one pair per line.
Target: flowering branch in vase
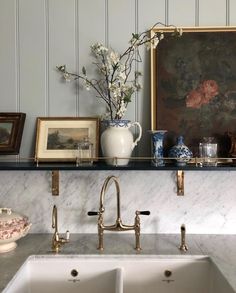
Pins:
x,y
115,86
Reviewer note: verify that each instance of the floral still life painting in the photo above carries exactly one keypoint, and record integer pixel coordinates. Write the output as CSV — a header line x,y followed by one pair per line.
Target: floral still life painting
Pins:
x,y
196,86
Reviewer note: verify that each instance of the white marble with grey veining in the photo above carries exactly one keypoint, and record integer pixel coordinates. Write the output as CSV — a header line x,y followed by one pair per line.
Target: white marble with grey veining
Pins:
x,y
208,207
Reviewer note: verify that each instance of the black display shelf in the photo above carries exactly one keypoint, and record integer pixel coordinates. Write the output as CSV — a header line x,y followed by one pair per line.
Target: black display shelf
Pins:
x,y
102,166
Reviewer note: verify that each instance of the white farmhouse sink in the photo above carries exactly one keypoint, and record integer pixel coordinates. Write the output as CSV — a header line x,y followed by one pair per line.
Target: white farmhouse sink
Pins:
x,y
118,274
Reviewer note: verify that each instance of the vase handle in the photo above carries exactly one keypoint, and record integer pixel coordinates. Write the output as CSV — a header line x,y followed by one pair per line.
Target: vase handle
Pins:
x,y
139,135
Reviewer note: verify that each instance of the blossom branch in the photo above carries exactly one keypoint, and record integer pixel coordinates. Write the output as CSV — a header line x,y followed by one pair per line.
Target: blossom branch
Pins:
x,y
115,86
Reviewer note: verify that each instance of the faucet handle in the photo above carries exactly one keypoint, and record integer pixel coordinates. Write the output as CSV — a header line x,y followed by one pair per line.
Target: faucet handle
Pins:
x,y
65,239
67,235
146,213
93,213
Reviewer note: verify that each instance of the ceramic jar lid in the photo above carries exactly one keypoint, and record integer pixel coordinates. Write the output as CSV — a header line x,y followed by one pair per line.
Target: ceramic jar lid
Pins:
x,y
10,219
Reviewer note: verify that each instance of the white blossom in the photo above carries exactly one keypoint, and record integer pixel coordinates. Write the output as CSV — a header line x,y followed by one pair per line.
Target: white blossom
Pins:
x,y
99,49
122,76
180,31
156,42
148,46
67,77
114,57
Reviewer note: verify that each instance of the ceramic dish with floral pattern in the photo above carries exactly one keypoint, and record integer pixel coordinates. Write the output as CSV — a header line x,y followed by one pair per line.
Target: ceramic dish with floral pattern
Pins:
x,y
13,226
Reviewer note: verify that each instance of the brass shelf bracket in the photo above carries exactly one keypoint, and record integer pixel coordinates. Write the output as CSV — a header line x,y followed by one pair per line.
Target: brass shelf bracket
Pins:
x,y
55,182
180,182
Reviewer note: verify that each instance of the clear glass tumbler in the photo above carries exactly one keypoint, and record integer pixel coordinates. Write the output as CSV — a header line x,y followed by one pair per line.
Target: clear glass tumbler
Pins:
x,y
85,152
208,152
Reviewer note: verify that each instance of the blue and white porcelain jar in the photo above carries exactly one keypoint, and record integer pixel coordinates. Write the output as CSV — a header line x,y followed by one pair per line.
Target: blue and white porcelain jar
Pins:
x,y
181,152
157,147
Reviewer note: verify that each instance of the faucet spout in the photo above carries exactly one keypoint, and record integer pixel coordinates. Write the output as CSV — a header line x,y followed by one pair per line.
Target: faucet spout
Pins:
x,y
105,186
118,226
54,219
57,241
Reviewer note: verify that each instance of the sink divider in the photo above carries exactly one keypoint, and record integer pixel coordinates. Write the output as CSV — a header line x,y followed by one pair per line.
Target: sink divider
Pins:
x,y
119,280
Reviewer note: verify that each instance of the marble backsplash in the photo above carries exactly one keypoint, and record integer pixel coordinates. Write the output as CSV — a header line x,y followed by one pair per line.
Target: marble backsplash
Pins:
x,y
208,207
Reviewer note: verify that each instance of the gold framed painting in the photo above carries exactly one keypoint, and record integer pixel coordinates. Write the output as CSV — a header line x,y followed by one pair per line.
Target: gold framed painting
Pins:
x,y
193,86
11,130
58,138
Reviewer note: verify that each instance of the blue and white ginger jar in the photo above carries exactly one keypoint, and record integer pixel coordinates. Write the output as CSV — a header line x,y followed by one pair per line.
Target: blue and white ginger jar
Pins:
x,y
181,152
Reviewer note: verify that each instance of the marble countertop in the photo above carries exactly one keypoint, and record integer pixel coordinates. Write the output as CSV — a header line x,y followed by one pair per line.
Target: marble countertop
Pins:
x,y
221,248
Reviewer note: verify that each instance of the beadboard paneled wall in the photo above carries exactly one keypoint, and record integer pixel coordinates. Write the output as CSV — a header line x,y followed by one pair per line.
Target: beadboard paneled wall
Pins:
x,y
37,35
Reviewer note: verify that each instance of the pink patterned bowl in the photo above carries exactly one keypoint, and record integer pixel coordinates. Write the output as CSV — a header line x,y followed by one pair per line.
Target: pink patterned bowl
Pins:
x,y
13,226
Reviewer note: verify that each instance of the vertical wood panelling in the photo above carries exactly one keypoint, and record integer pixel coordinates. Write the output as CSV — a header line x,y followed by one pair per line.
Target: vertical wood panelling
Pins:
x,y
8,72
62,96
227,12
77,54
212,12
32,67
148,15
232,14
121,23
121,26
91,30
196,12
186,15
44,33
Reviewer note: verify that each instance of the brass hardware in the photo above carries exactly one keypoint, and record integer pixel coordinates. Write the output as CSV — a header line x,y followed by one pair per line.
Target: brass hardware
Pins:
x,y
55,182
57,241
118,226
180,182
183,245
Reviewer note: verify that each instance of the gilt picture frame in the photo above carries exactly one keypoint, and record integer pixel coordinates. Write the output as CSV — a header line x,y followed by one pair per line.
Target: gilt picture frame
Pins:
x,y
11,130
57,138
193,86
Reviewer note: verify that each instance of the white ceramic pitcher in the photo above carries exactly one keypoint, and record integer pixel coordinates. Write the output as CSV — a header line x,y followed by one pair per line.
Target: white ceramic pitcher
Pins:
x,y
117,141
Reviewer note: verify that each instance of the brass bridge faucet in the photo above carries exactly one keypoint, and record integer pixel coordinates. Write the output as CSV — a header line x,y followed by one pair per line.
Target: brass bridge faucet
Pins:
x,y
118,226
57,241
183,245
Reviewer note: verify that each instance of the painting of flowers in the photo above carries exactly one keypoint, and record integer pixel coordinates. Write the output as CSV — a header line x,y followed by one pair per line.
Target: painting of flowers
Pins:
x,y
195,86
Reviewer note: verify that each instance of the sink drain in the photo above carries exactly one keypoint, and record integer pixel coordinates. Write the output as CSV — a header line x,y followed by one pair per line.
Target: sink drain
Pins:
x,y
74,273
167,273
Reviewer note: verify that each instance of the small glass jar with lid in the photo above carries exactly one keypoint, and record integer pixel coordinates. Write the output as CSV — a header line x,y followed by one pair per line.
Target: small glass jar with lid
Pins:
x,y
85,152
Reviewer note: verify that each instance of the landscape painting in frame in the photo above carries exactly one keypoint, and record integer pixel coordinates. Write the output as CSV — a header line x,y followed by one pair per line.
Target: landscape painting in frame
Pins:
x,y
58,137
11,129
193,82
5,132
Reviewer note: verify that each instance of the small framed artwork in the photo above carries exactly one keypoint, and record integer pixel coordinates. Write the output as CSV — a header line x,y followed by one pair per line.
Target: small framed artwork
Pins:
x,y
11,129
58,137
193,86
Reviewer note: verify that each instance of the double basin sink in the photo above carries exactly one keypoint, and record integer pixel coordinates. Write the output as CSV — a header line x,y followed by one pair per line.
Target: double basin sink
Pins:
x,y
118,274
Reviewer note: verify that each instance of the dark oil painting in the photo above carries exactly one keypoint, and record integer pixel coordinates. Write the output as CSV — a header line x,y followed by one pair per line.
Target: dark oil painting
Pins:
x,y
65,138
196,87
5,132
